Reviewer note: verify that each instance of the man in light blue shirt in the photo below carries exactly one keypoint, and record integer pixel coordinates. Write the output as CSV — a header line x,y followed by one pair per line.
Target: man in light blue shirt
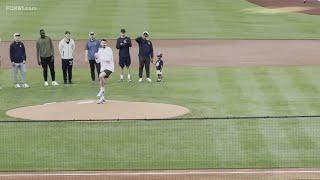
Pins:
x,y
92,48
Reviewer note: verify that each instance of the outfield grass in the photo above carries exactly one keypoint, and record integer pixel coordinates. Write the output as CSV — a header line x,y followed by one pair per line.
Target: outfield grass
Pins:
x,y
209,92
227,19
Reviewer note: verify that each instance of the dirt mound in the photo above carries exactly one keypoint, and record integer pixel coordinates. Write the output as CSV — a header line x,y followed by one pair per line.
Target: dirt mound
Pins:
x,y
89,110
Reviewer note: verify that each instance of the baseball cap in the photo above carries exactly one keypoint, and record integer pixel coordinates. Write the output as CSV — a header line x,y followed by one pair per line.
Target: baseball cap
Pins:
x,y
146,33
123,30
16,34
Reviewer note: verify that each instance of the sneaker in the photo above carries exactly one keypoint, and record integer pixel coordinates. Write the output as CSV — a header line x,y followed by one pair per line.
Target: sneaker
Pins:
x,y
25,85
129,80
17,86
101,100
46,83
54,83
158,80
149,80
140,79
100,94
70,82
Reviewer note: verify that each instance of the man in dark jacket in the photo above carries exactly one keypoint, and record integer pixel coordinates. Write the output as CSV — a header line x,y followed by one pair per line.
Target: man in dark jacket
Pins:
x,y
45,53
18,60
124,44
145,55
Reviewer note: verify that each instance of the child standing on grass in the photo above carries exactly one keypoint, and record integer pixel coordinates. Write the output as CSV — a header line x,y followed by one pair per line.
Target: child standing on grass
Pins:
x,y
159,66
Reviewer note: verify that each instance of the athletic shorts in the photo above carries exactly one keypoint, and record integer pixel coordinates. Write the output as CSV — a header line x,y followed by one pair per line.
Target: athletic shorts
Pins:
x,y
107,73
124,61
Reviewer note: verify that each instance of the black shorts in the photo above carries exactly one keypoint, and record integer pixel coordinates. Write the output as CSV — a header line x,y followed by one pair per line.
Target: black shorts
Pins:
x,y
124,61
107,73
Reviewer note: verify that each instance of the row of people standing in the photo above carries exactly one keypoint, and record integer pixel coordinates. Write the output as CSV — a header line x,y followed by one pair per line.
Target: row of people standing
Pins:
x,y
46,59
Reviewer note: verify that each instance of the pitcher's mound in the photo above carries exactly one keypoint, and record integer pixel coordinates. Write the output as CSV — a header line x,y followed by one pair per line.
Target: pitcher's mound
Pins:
x,y
89,110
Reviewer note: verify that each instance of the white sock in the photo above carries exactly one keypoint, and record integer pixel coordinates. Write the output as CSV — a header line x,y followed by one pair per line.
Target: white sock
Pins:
x,y
102,89
121,76
129,77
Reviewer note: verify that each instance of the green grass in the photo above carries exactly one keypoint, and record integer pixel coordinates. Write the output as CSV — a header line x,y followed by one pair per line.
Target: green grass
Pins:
x,y
227,19
179,144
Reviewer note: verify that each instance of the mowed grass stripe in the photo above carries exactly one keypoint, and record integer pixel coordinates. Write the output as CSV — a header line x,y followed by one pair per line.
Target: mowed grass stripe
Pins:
x,y
256,100
235,101
277,104
307,88
163,15
290,91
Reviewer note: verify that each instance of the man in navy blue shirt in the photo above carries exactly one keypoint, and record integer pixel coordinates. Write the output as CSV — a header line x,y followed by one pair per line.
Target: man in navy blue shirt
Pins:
x,y
92,48
145,55
18,60
124,44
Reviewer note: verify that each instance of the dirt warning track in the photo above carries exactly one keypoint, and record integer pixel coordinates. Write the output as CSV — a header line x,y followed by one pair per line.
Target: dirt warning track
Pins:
x,y
201,53
225,174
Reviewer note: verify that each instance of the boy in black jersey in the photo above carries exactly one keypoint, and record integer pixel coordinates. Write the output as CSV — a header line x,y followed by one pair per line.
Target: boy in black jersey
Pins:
x,y
159,66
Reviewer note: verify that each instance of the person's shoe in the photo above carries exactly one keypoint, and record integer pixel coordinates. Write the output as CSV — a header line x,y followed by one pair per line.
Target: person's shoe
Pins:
x,y
129,80
158,80
140,80
46,83
93,82
100,94
17,86
54,83
121,78
70,82
25,85
101,100
149,80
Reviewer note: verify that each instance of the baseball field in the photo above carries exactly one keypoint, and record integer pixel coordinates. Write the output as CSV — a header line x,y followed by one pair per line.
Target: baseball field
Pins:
x,y
246,71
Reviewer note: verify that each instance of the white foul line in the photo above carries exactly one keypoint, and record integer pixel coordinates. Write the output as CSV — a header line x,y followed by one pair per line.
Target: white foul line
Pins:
x,y
161,173
45,104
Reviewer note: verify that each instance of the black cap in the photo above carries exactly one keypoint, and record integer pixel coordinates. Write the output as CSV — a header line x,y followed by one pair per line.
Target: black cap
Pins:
x,y
67,32
123,30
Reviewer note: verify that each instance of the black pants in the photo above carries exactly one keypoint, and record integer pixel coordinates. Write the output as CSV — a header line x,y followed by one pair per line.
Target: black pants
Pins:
x,y
94,65
67,69
144,62
45,62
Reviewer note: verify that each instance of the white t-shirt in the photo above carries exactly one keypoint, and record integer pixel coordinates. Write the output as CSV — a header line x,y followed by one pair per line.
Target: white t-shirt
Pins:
x,y
105,57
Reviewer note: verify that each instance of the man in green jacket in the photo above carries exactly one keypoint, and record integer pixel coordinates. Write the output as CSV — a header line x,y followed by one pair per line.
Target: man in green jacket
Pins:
x,y
45,57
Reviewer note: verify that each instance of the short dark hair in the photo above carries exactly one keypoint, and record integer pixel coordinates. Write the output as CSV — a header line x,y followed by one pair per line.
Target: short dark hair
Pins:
x,y
123,30
67,32
41,30
104,40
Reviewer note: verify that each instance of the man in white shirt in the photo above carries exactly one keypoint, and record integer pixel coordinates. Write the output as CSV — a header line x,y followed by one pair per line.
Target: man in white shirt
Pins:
x,y
66,49
105,57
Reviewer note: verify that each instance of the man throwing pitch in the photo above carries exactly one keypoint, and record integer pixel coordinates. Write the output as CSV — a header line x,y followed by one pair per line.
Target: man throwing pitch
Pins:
x,y
104,56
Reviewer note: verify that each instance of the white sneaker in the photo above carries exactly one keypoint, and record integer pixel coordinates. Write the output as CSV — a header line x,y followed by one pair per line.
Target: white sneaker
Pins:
x,y
54,83
100,94
129,80
46,83
25,85
149,80
140,79
17,86
101,100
